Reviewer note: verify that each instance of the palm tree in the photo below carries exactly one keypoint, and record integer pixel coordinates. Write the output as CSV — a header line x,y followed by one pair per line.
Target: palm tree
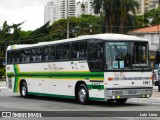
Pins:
x,y
118,13
104,7
127,10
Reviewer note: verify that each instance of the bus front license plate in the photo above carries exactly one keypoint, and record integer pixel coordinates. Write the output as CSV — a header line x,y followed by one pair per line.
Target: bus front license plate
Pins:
x,y
132,91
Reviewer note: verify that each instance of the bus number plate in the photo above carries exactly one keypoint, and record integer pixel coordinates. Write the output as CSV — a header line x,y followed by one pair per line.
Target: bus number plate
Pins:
x,y
132,91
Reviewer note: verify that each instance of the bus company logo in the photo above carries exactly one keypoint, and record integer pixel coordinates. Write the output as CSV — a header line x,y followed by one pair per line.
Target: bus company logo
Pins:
x,y
49,67
6,114
21,114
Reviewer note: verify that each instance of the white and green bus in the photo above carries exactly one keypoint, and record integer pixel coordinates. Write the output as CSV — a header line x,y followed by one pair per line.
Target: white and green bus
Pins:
x,y
92,67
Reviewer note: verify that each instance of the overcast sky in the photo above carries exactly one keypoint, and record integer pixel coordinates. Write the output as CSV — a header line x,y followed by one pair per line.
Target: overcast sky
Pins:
x,y
17,11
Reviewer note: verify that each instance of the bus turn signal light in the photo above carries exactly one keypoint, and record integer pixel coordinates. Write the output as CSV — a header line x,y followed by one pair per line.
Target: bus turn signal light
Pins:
x,y
110,79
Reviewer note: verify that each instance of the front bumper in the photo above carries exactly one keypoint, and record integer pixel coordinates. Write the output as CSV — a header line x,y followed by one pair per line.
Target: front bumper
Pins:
x,y
130,92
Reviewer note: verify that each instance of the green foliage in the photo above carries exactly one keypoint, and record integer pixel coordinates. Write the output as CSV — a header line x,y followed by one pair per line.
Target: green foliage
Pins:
x,y
2,59
85,24
2,72
117,14
150,18
42,30
141,22
154,15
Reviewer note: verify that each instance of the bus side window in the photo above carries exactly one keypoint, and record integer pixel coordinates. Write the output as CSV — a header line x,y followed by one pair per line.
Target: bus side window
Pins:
x,y
33,55
66,51
22,55
15,56
45,53
36,54
25,56
83,50
8,57
75,50
51,53
59,52
95,56
48,53
79,50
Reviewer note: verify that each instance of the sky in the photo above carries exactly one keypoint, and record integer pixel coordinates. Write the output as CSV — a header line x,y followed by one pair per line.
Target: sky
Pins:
x,y
17,11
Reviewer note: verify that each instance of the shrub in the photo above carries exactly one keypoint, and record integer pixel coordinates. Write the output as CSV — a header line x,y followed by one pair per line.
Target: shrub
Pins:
x,y
2,72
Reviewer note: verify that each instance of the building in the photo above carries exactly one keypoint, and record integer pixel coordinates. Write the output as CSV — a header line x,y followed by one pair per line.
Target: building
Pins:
x,y
85,7
71,8
152,34
78,9
147,5
153,4
51,11
57,9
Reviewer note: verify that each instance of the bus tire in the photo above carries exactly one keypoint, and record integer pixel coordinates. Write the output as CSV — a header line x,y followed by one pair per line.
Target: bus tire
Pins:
x,y
121,101
82,94
24,90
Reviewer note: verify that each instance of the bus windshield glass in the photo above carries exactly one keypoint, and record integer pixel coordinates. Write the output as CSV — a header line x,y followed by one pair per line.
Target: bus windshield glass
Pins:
x,y
126,55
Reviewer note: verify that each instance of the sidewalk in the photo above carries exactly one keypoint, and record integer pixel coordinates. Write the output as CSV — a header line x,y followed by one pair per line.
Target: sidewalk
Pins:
x,y
155,94
155,88
3,85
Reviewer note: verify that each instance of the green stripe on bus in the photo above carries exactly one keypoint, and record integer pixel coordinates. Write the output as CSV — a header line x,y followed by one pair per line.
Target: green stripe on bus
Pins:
x,y
60,96
51,95
10,74
93,98
16,78
100,87
57,75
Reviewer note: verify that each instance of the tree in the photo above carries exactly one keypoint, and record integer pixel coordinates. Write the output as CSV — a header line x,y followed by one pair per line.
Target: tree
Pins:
x,y
153,16
149,18
6,36
85,24
118,14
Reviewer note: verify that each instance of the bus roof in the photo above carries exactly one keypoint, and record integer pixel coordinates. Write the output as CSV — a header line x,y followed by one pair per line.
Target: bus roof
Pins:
x,y
106,36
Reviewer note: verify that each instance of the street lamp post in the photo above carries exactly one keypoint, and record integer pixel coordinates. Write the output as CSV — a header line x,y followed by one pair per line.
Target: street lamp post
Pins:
x,y
67,21
90,26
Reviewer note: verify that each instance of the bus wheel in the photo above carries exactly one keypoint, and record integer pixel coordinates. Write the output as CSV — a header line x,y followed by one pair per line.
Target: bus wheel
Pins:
x,y
23,90
121,101
82,94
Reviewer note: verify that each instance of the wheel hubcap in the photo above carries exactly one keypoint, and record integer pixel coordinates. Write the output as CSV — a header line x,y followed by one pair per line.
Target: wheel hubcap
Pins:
x,y
82,95
23,90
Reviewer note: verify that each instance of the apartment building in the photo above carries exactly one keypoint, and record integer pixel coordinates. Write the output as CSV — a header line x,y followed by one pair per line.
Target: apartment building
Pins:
x,y
147,5
57,9
85,7
51,11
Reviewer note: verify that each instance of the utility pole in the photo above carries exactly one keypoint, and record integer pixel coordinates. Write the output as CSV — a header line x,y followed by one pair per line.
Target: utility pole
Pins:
x,y
67,19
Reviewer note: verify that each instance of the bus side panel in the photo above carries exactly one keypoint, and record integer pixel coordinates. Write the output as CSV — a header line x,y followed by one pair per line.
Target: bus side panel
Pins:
x,y
96,94
11,79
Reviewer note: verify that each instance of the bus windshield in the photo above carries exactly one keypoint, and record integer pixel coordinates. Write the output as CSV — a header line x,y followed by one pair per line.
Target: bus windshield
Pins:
x,y
126,55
